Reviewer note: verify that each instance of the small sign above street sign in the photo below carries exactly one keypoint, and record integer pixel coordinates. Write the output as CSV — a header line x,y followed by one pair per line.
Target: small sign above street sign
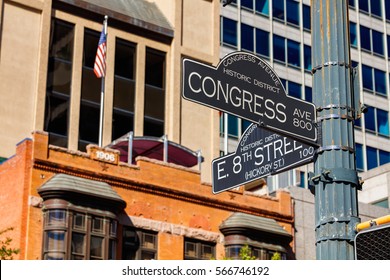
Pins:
x,y
259,153
246,86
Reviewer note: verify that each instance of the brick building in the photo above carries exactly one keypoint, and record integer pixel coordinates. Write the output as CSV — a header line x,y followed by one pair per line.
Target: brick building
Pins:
x,y
72,205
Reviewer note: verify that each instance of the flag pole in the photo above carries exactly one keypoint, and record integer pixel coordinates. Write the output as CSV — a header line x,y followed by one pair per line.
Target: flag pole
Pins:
x,y
102,92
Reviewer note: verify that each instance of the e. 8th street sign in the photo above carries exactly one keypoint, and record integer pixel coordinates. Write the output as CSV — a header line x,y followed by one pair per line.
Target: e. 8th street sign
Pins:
x,y
246,86
260,153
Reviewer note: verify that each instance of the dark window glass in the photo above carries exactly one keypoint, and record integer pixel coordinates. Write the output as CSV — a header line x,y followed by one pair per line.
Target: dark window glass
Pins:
x,y
124,89
262,6
359,157
376,7
363,5
388,46
369,119
307,56
306,17
292,12
365,38
229,31
380,81
383,122
154,106
247,40
138,244
372,160
232,125
59,78
351,3
278,9
90,93
262,42
293,53
308,94
294,90
279,48
367,77
247,4
353,34
377,39
387,7
384,157
198,250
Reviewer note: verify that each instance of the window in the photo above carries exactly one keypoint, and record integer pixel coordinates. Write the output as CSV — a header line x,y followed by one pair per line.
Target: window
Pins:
x,y
198,250
306,17
286,10
229,32
353,34
90,93
376,157
247,4
154,106
359,157
262,42
372,7
262,7
59,78
88,236
374,80
382,203
351,3
139,244
124,89
247,40
371,40
387,7
307,57
377,121
292,89
293,51
233,252
308,94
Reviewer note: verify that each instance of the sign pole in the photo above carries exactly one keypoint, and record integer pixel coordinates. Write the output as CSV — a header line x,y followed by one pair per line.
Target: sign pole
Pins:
x,y
335,181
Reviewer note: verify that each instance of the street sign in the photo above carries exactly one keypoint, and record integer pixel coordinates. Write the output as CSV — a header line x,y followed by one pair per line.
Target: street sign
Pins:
x,y
244,85
259,153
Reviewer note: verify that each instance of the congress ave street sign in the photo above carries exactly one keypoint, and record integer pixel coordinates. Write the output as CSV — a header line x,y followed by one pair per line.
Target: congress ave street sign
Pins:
x,y
260,153
246,86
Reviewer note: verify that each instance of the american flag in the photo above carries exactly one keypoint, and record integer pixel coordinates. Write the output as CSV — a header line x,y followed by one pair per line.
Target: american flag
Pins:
x,y
100,61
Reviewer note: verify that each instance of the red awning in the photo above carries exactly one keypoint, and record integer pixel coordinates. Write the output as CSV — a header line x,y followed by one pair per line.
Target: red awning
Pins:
x,y
153,147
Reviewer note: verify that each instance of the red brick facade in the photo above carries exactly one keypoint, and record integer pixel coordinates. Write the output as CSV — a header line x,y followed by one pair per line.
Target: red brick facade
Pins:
x,y
159,196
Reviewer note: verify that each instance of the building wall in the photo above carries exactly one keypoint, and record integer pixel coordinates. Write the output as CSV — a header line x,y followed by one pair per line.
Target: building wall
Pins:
x,y
25,41
165,198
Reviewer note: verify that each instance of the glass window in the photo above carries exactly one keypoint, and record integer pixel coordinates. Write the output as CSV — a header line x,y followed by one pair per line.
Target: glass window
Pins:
x,y
377,42
154,106
363,5
382,203
353,34
232,126
367,78
90,93
139,244
124,89
229,34
365,38
306,17
388,46
372,160
380,81
247,4
369,119
293,49
198,250
384,157
59,78
292,12
262,42
387,7
278,9
359,157
294,89
308,94
376,7
247,40
279,48
307,57
351,3
382,122
262,6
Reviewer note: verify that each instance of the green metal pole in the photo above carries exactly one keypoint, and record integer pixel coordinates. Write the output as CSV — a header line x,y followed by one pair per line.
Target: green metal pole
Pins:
x,y
335,181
